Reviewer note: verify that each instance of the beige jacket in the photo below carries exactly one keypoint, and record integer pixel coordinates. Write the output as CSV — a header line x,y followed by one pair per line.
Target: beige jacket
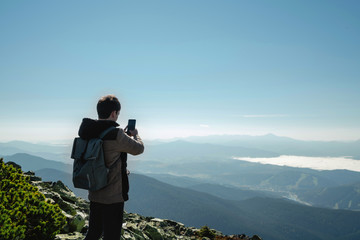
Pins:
x,y
112,193
116,146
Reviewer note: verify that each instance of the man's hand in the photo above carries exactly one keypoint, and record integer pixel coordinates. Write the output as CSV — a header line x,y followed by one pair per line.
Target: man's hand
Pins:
x,y
134,132
131,133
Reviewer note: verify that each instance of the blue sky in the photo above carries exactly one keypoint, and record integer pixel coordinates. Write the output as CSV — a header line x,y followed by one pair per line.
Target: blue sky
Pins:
x,y
182,68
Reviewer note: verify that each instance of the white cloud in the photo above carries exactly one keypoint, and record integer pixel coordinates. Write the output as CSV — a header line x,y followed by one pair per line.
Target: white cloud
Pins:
x,y
204,126
317,163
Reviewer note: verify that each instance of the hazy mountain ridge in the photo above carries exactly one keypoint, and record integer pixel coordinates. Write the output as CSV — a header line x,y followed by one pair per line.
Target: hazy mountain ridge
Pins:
x,y
183,150
243,173
239,145
54,152
278,181
34,163
35,147
153,198
285,145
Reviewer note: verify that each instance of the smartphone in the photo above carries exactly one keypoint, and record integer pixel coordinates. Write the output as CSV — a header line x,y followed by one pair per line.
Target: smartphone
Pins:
x,y
131,124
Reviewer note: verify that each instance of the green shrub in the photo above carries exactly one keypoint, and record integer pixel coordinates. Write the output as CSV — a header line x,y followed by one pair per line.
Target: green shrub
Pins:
x,y
205,231
24,212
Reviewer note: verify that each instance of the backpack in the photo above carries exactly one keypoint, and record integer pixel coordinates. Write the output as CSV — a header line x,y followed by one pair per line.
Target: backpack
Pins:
x,y
89,170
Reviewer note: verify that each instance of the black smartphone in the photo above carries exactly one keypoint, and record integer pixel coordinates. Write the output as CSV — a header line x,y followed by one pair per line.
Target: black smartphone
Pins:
x,y
131,124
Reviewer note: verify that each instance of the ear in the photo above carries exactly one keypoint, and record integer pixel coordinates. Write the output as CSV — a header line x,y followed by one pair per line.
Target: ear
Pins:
x,y
113,114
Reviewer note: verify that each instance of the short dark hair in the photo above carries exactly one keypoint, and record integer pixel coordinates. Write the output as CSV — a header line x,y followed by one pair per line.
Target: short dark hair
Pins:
x,y
106,105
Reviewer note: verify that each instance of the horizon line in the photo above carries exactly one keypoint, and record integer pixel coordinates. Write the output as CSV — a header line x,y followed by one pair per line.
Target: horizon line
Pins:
x,y
170,139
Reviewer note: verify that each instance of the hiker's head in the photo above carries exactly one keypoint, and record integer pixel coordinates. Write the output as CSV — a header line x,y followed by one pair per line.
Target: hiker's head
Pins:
x,y
108,107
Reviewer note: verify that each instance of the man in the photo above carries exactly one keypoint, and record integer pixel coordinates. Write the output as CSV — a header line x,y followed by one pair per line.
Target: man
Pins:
x,y
107,204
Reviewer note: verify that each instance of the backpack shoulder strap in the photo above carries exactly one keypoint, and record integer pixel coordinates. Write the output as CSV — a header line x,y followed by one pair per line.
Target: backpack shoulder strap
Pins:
x,y
106,131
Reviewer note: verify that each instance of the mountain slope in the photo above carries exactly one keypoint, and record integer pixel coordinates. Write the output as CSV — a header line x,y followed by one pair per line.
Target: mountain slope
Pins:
x,y
150,197
340,197
230,193
284,217
29,162
273,218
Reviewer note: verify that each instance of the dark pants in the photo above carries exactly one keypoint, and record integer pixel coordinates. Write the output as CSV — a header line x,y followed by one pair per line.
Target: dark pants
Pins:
x,y
105,219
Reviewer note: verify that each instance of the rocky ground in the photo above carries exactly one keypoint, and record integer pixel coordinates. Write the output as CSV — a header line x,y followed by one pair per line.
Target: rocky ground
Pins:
x,y
135,226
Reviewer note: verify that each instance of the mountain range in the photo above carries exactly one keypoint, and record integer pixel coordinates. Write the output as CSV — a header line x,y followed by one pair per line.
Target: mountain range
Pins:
x,y
199,184
245,146
285,145
58,152
250,212
201,163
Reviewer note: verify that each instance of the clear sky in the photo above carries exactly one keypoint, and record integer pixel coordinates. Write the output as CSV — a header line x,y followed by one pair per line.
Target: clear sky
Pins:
x,y
182,67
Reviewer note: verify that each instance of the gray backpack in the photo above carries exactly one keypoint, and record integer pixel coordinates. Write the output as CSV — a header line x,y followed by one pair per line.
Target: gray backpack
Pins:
x,y
89,170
